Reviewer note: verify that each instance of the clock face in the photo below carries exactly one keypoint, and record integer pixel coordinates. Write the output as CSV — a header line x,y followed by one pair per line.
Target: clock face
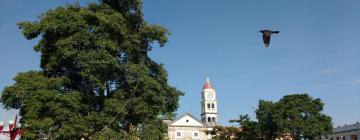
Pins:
x,y
210,96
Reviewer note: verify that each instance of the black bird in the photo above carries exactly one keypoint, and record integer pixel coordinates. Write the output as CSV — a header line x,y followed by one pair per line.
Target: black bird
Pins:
x,y
266,36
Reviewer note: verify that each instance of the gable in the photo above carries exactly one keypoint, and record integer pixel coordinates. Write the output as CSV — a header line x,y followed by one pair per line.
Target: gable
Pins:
x,y
187,120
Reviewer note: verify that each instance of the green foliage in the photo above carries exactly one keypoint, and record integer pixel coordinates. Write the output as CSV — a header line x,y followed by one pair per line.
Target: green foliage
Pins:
x,y
45,106
222,133
269,120
96,79
249,130
302,116
154,130
298,115
108,134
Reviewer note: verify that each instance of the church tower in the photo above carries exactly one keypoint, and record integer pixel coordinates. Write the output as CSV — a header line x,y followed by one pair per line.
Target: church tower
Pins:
x,y
209,113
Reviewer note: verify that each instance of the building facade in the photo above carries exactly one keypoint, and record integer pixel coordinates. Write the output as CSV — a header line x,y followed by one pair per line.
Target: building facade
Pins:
x,y
188,127
347,132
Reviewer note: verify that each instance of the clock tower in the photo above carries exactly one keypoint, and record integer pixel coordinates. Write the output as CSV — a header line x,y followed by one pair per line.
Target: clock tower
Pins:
x,y
209,113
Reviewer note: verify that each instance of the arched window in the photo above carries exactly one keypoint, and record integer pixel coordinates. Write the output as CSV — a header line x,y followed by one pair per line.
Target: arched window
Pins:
x,y
212,105
208,105
209,119
213,119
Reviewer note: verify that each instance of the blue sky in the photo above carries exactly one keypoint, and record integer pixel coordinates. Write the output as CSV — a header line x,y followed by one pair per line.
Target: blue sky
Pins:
x,y
316,51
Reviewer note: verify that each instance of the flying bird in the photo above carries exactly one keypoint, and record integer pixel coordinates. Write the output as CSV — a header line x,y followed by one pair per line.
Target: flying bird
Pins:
x,y
266,36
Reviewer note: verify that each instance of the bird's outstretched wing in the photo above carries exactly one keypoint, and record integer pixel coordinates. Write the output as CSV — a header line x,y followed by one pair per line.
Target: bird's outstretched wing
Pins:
x,y
275,32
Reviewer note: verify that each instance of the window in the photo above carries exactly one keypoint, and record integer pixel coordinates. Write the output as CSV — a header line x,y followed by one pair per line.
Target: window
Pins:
x,y
196,134
354,137
208,105
179,134
213,119
343,137
209,119
212,105
187,120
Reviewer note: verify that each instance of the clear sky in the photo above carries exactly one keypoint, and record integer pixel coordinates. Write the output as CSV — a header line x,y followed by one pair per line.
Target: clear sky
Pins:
x,y
316,52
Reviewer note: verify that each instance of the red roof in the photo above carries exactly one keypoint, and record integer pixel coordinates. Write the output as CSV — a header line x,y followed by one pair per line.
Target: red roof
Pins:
x,y
207,84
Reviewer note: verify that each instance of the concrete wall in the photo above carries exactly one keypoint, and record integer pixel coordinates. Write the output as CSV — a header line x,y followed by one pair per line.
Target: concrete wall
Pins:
x,y
187,133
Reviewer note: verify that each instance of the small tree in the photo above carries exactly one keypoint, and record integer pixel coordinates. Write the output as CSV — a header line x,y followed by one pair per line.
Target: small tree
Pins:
x,y
223,133
249,130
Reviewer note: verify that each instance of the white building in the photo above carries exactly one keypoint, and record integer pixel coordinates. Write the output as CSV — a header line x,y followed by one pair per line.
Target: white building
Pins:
x,y
188,127
347,132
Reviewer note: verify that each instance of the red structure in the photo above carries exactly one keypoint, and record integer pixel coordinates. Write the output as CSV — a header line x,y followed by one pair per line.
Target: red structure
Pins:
x,y
13,131
207,85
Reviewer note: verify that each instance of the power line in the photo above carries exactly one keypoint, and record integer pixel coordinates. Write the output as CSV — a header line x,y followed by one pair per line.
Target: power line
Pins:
x,y
131,94
57,65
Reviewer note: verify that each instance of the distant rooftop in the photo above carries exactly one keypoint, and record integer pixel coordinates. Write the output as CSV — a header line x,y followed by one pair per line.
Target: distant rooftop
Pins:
x,y
345,128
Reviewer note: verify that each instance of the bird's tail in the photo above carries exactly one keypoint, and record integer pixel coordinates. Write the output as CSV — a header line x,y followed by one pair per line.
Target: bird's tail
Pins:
x,y
275,32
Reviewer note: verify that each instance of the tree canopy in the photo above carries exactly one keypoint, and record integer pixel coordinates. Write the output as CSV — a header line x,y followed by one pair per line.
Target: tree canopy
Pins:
x,y
96,79
301,116
298,116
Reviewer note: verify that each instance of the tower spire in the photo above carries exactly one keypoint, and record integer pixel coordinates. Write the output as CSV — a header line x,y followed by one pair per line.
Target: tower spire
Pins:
x,y
207,80
207,84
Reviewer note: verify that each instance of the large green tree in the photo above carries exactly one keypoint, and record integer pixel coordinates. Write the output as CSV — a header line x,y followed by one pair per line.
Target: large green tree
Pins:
x,y
96,79
302,116
298,115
